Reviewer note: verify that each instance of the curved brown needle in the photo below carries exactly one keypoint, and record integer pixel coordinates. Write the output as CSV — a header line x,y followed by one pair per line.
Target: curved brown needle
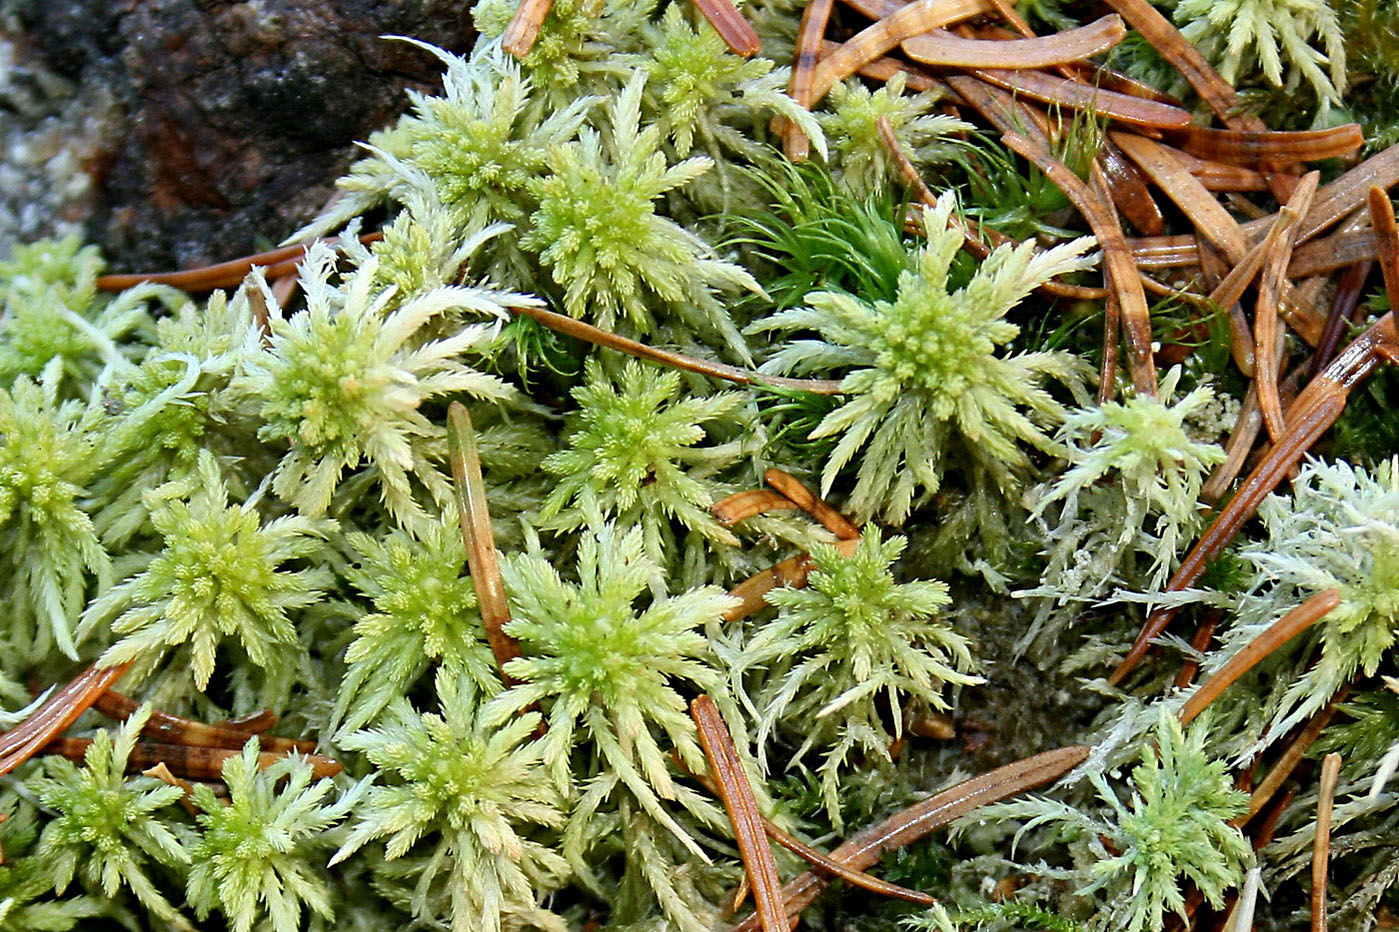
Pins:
x,y
172,729
1321,848
810,34
1277,634
1290,758
737,795
1119,270
832,520
475,517
1271,282
60,710
195,763
220,275
718,370
792,572
741,506
524,26
864,849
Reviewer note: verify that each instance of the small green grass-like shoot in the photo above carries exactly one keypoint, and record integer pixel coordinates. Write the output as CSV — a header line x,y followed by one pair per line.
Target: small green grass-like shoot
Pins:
x,y
1271,37
259,851
924,382
476,790
424,612
219,576
1138,856
600,235
342,383
850,652
635,457
106,827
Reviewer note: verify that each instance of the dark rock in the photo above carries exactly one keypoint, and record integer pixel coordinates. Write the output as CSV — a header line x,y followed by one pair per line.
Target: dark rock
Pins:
x,y
227,123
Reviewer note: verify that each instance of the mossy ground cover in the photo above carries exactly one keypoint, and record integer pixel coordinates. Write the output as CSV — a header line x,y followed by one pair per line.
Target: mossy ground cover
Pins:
x,y
952,437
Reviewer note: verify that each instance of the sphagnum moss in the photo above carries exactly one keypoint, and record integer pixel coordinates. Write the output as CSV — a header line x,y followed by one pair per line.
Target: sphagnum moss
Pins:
x,y
252,504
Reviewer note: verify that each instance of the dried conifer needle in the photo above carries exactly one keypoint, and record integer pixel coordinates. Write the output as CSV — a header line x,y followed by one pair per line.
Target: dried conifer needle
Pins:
x,y
1249,147
188,762
1120,270
741,506
1321,848
832,520
807,52
737,795
717,370
822,862
1279,633
918,821
738,34
220,275
888,31
1386,240
792,572
478,535
1203,635
1130,192
61,710
1265,317
1074,95
948,51
524,26
254,723
1290,758
172,729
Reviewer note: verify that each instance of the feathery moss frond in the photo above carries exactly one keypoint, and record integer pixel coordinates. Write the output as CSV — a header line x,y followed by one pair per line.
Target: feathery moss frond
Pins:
x,y
106,828
255,851
1175,828
614,255
634,458
599,664
219,575
342,383
849,653
424,612
923,372
475,788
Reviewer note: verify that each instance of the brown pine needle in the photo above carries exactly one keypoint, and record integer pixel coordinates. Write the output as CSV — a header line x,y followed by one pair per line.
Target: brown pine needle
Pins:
x,y
792,572
1187,192
61,709
524,26
1120,271
172,729
189,762
888,31
1386,240
921,819
1249,147
741,506
1203,635
813,504
162,773
1279,633
738,34
561,323
1058,92
1129,191
1321,849
1265,317
737,795
810,34
223,274
1290,758
948,51
481,555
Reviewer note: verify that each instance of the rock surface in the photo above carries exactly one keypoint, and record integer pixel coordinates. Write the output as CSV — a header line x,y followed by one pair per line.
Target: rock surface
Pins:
x,y
179,132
